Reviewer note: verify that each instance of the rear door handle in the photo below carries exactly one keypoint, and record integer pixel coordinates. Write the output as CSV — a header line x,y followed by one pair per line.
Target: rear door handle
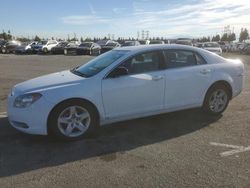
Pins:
x,y
156,78
205,71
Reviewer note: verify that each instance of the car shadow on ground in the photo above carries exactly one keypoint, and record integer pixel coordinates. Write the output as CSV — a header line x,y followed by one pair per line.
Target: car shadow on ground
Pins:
x,y
22,153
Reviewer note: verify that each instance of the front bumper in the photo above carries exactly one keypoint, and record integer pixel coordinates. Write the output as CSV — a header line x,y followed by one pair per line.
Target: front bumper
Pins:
x,y
31,120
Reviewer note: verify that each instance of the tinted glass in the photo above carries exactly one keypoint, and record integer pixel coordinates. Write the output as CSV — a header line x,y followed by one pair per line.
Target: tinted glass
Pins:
x,y
212,45
180,58
143,63
87,44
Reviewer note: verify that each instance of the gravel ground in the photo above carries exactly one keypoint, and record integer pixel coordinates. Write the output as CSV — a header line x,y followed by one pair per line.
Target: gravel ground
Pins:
x,y
170,150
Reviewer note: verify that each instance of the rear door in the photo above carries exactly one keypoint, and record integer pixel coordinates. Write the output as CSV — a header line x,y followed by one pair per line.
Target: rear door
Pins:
x,y
187,79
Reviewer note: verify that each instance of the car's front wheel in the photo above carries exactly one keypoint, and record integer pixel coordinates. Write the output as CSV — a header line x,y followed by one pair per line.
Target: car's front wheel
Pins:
x,y
4,50
72,120
217,99
45,50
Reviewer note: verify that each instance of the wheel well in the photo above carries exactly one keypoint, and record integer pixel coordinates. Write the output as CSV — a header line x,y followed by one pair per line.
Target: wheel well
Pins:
x,y
224,83
71,100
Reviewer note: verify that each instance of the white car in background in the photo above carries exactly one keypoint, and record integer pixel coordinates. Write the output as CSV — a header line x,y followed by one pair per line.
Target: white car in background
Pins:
x,y
212,47
124,83
45,46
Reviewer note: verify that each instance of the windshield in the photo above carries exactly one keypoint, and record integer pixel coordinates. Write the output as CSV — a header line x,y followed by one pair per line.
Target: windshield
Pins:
x,y
183,42
43,42
99,63
156,42
86,44
213,45
62,44
129,43
102,42
142,42
111,44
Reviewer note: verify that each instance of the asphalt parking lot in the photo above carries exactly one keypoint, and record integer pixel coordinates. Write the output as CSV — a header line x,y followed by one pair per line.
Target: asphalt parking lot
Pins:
x,y
181,149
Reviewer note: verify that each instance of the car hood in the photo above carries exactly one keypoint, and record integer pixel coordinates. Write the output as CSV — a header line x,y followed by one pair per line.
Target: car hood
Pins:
x,y
50,81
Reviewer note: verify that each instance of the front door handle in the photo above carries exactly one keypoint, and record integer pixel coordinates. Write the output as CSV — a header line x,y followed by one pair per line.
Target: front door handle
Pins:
x,y
205,71
156,78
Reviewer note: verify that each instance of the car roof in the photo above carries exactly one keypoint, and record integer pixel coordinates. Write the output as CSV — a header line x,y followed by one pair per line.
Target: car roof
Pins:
x,y
158,47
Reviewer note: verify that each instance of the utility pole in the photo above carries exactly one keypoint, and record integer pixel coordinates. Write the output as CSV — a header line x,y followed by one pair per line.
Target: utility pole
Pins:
x,y
142,34
138,35
147,34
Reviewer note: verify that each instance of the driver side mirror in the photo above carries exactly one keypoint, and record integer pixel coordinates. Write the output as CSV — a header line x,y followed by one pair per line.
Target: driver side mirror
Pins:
x,y
119,71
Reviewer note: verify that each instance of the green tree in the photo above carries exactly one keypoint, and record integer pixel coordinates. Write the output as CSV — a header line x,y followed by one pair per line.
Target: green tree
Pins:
x,y
216,38
81,40
231,37
9,36
37,38
4,35
243,34
224,37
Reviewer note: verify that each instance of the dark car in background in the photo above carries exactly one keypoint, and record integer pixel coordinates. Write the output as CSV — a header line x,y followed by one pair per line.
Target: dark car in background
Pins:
x,y
88,48
110,46
245,48
25,48
185,42
70,49
131,43
2,43
157,42
103,42
59,49
10,46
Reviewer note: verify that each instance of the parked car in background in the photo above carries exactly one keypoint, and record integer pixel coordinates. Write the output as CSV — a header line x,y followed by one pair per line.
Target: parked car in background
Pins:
x,y
2,43
212,47
70,49
103,42
88,48
25,48
198,45
224,46
157,42
185,42
10,46
131,43
123,84
59,48
110,46
144,42
245,48
44,46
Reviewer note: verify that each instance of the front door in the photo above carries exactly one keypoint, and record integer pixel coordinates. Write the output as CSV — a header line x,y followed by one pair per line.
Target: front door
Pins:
x,y
140,91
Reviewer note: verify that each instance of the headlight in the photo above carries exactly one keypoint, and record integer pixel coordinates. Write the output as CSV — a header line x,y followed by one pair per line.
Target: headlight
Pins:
x,y
26,100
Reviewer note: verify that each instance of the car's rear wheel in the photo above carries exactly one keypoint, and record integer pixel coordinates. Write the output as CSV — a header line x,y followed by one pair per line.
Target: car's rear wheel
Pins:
x,y
72,120
45,50
217,99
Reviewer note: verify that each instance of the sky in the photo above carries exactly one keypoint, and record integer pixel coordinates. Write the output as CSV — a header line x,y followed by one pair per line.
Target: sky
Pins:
x,y
124,18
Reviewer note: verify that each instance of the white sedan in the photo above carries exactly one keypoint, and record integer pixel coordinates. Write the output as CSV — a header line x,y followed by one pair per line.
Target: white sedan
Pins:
x,y
213,47
122,84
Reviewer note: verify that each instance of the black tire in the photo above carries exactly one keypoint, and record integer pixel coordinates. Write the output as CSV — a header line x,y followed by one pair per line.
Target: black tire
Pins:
x,y
207,107
4,50
45,50
53,127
